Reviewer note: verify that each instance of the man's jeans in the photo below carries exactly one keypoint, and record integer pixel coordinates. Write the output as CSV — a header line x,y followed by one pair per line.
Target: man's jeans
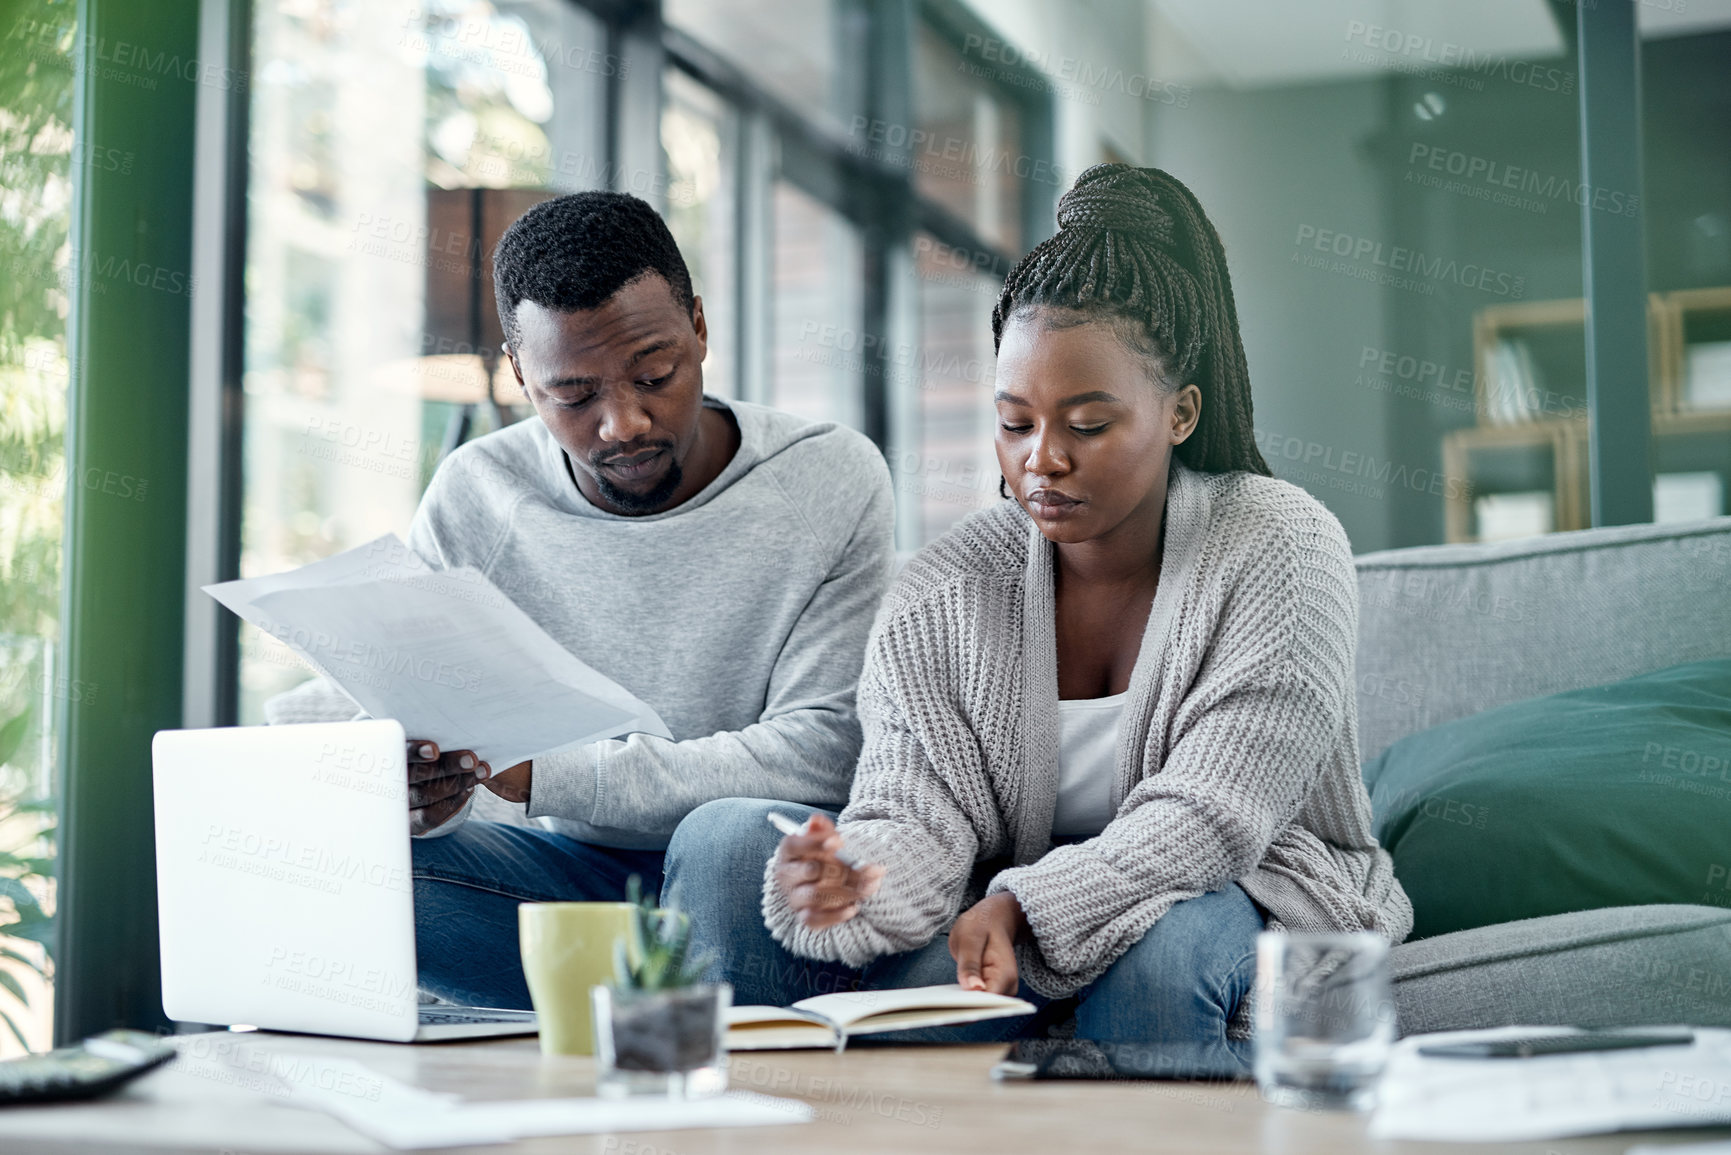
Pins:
x,y
1181,983
467,887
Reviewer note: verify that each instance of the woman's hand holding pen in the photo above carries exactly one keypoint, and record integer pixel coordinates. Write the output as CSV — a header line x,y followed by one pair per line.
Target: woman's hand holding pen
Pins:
x,y
824,888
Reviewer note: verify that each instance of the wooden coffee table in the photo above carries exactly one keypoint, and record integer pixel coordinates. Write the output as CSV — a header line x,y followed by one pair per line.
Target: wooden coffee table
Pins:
x,y
899,1100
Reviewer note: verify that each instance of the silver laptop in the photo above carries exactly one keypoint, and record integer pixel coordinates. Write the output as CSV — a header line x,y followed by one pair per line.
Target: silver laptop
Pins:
x,y
284,889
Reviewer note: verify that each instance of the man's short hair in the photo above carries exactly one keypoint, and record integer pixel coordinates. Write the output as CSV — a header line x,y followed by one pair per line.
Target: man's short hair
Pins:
x,y
575,252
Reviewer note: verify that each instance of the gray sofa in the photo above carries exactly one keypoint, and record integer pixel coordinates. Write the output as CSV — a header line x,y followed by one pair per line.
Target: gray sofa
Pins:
x,y
1448,631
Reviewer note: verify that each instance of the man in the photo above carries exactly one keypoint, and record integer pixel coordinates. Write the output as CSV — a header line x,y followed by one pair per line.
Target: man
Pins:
x,y
721,560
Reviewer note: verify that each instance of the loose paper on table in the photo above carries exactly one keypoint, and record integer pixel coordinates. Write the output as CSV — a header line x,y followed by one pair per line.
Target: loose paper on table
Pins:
x,y
444,652
1551,1096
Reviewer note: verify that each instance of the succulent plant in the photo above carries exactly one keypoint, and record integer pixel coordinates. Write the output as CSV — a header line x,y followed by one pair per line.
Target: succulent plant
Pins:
x,y
660,945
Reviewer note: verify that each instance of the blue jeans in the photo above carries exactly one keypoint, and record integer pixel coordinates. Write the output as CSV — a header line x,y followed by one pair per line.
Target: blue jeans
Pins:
x,y
1181,983
467,887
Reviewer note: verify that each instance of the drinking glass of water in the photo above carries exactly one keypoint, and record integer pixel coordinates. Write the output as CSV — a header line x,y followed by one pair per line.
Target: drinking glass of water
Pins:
x,y
1324,1018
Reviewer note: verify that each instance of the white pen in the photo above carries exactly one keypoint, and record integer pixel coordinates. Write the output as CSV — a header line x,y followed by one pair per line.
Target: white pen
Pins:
x,y
788,826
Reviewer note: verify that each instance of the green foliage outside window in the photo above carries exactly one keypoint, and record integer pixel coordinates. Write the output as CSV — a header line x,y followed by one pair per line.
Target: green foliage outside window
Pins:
x,y
37,159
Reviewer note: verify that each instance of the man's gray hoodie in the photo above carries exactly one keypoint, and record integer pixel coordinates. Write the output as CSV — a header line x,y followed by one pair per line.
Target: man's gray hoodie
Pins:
x,y
740,615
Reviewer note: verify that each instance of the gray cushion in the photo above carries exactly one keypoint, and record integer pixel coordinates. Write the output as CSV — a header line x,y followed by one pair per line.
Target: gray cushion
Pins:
x,y
1447,631
1623,966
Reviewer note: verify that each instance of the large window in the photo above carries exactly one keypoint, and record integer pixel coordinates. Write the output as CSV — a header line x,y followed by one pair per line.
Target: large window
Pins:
x,y
37,159
820,353
700,143
971,156
953,470
387,144
804,54
889,183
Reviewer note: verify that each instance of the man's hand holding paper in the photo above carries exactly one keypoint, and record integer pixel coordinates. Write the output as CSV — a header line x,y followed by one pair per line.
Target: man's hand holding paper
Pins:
x,y
440,783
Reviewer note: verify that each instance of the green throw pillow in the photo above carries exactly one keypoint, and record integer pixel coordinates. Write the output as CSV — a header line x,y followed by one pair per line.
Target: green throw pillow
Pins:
x,y
1614,795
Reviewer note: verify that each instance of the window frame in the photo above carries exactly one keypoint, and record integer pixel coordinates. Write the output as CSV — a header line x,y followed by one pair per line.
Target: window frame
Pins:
x,y
877,195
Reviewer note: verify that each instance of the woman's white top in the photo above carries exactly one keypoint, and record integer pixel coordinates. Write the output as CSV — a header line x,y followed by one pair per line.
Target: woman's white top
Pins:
x,y
1087,764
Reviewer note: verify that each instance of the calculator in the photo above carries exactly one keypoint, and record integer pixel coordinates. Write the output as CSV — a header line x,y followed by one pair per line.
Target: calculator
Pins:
x,y
94,1067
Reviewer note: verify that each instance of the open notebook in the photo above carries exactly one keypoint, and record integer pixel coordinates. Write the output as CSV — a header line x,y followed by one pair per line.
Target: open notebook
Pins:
x,y
830,1020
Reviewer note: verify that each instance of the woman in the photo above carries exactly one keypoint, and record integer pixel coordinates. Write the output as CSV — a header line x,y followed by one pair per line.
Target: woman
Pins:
x,y
1109,725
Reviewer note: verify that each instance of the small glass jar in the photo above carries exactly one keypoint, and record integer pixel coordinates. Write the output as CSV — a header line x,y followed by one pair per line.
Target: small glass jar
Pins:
x,y
666,1043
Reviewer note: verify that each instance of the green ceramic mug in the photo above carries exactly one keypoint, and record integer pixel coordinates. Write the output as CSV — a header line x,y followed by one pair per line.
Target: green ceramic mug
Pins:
x,y
567,951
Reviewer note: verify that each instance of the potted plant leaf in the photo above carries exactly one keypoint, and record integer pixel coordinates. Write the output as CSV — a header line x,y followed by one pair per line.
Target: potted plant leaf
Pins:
x,y
659,1029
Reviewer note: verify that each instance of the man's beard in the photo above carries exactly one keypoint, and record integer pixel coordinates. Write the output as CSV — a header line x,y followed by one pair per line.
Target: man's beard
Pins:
x,y
646,502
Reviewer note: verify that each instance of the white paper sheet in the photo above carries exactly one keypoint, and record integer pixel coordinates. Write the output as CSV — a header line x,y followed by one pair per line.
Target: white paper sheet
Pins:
x,y
251,1097
442,651
1551,1096
409,1118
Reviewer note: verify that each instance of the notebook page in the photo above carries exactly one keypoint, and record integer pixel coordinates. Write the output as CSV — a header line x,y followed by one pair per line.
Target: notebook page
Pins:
x,y
850,1007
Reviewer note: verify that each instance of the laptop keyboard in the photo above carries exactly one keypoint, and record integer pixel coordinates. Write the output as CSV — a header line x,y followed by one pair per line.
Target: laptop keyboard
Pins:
x,y
446,1016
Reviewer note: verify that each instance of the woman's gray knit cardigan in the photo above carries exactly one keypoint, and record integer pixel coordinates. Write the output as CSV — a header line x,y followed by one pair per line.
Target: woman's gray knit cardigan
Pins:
x,y
1237,753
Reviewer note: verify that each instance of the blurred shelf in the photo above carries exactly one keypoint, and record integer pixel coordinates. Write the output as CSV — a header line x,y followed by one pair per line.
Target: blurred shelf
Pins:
x,y
1530,393
1699,320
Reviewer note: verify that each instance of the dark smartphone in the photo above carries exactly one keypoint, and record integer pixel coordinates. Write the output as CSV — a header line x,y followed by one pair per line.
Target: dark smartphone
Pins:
x,y
1527,1046
1082,1059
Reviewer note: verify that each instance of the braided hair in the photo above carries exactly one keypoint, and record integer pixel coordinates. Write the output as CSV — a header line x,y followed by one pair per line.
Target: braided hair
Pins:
x,y
1133,247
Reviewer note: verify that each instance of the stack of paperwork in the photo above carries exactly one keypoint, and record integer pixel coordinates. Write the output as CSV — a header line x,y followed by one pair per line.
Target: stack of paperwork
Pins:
x,y
1551,1096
